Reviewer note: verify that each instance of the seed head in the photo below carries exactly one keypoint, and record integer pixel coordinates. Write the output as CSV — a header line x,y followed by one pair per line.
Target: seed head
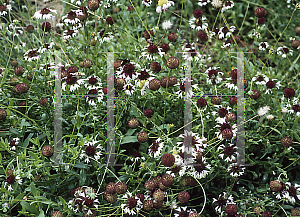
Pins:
x,y
87,63
227,134
148,205
167,180
165,47
255,95
120,188
168,160
216,100
260,12
198,13
155,67
154,84
266,214
275,186
150,185
93,5
148,113
2,114
43,101
21,88
202,36
172,37
172,62
158,195
47,151
19,70
133,123
184,197
110,188
286,141
142,137
231,209
57,214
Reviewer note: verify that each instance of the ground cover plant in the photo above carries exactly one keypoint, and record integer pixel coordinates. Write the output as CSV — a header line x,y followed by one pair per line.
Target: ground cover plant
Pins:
x,y
161,169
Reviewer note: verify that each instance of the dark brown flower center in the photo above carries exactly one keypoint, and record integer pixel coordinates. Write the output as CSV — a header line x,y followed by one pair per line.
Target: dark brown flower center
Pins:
x,y
71,15
45,11
33,53
229,151
90,150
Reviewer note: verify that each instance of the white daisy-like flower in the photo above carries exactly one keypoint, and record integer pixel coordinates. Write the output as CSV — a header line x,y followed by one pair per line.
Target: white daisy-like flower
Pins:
x,y
167,25
181,209
228,5
46,47
284,110
216,3
152,56
214,78
156,148
107,37
229,152
270,117
21,45
223,200
260,79
3,11
13,143
70,33
72,17
32,55
203,2
269,90
45,13
164,5
78,2
225,32
291,192
91,151
107,5
263,46
147,2
284,52
191,54
131,210
129,89
231,85
198,24
264,110
226,44
236,170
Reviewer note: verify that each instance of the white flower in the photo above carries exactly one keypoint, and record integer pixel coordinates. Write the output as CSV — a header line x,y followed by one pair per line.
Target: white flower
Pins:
x,y
203,2
216,3
284,110
164,5
31,55
167,25
69,33
147,2
236,170
155,148
263,111
129,89
270,117
263,46
228,5
71,17
45,14
284,52
198,24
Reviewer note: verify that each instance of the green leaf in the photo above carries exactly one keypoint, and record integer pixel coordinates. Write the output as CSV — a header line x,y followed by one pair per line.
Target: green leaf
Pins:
x,y
33,189
130,132
62,200
18,198
287,207
296,135
33,155
4,190
129,139
30,208
42,214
